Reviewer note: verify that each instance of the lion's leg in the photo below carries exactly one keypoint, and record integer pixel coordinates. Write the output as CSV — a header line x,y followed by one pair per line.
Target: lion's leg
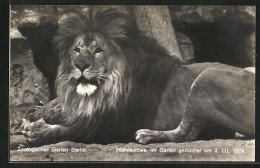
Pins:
x,y
44,125
186,131
39,133
50,112
223,97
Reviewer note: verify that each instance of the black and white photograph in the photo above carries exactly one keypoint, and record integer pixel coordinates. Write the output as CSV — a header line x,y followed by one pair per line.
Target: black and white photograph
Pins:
x,y
132,83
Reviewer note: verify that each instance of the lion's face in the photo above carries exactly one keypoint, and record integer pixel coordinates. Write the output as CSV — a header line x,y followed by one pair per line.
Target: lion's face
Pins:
x,y
94,73
92,63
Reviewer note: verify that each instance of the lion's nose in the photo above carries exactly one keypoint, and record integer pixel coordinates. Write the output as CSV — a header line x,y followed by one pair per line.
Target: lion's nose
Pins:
x,y
83,66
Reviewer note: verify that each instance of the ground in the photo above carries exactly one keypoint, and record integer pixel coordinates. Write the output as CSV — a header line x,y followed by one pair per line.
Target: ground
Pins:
x,y
213,150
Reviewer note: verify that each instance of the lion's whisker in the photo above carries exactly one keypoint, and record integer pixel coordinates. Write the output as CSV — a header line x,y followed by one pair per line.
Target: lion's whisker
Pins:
x,y
92,71
101,78
106,77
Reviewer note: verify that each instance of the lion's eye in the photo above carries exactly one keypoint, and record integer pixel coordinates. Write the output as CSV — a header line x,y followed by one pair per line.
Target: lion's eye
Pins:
x,y
98,50
77,50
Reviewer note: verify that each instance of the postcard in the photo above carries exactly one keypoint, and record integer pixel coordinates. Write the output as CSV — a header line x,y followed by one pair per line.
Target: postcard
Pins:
x,y
132,83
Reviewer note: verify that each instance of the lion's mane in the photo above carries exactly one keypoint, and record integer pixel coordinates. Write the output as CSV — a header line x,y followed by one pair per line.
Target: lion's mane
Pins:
x,y
119,99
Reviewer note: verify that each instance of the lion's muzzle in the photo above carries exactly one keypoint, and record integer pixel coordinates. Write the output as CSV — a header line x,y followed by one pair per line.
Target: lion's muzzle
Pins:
x,y
83,80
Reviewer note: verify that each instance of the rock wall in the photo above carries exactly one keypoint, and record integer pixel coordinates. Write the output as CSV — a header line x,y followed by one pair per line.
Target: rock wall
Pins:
x,y
223,34
28,86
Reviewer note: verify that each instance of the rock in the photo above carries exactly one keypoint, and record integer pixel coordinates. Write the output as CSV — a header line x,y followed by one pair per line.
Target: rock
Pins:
x,y
155,22
198,14
27,84
186,47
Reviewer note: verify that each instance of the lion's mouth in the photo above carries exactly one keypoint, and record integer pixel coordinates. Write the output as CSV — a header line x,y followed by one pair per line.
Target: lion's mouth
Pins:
x,y
85,81
86,86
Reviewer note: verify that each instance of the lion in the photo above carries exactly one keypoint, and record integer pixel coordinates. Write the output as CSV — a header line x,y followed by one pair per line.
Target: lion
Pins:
x,y
115,84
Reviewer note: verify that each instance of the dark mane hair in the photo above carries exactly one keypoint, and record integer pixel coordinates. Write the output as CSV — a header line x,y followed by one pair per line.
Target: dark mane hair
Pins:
x,y
139,76
112,24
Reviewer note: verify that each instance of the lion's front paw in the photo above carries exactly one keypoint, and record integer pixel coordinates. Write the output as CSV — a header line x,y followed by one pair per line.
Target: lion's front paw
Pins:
x,y
36,133
145,136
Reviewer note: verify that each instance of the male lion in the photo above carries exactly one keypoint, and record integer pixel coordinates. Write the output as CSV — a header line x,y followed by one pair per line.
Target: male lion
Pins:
x,y
116,85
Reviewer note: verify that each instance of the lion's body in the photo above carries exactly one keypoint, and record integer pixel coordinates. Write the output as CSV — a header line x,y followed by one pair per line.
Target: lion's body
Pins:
x,y
131,83
210,91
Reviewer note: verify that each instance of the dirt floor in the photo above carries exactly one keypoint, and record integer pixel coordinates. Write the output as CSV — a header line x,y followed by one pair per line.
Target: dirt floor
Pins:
x,y
213,150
